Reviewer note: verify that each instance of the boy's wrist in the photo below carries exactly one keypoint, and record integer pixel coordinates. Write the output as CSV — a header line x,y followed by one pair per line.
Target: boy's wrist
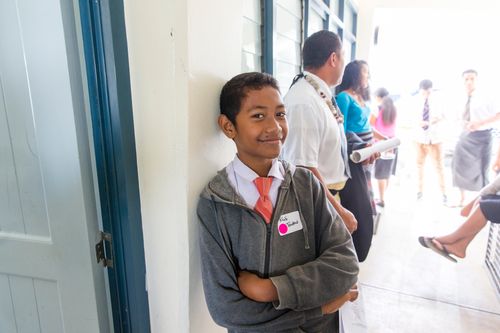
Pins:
x,y
269,291
256,288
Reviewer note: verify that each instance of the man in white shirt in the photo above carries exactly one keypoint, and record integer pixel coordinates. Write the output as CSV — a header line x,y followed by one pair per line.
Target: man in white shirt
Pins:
x,y
472,154
428,115
315,136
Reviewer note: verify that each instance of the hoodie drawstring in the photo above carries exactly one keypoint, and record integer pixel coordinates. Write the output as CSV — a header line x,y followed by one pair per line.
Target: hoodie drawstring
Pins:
x,y
304,224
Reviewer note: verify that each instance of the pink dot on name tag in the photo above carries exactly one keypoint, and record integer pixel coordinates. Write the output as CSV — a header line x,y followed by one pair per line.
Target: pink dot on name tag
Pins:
x,y
283,228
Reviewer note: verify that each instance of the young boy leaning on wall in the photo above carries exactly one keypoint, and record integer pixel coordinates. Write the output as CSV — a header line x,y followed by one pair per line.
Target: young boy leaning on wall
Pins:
x,y
276,257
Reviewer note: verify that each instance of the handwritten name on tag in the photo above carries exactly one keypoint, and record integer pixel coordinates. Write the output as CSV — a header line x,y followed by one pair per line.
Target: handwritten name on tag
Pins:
x,y
289,223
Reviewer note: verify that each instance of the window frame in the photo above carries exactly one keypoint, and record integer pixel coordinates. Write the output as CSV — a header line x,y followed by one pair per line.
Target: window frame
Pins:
x,y
330,18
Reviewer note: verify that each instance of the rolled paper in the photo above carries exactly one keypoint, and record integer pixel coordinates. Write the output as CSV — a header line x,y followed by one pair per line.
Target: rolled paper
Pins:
x,y
360,155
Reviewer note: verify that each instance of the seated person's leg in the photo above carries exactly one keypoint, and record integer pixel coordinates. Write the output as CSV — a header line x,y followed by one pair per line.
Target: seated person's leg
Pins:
x,y
490,207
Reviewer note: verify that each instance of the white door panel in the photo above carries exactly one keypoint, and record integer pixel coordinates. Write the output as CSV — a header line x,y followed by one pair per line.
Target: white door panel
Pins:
x,y
49,280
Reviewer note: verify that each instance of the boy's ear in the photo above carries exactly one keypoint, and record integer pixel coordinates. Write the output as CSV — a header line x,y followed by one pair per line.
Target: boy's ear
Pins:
x,y
227,126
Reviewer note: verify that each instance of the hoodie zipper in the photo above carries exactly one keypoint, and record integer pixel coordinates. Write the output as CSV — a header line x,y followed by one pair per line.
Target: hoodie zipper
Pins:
x,y
268,250
267,257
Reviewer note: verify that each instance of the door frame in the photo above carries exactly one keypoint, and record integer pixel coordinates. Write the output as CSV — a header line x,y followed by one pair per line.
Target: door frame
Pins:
x,y
107,69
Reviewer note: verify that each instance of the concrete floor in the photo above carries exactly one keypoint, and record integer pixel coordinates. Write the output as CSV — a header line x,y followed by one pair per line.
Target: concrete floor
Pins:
x,y
407,288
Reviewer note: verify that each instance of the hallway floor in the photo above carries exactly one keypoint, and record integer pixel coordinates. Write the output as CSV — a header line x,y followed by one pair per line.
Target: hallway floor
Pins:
x,y
407,288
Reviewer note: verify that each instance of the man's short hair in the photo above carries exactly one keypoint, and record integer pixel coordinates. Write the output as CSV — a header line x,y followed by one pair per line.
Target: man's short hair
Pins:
x,y
469,71
425,84
318,47
235,90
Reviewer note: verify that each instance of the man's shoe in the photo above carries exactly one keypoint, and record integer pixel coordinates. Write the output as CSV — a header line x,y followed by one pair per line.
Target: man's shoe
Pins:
x,y
419,195
445,199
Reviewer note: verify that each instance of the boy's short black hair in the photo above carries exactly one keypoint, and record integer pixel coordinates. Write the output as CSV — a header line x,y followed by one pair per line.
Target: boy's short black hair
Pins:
x,y
425,84
318,47
236,89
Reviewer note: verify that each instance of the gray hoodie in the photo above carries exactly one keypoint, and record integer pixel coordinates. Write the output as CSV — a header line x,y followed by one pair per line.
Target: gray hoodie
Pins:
x,y
309,266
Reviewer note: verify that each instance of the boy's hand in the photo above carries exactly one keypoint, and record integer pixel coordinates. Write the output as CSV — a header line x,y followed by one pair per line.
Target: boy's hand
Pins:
x,y
337,303
255,288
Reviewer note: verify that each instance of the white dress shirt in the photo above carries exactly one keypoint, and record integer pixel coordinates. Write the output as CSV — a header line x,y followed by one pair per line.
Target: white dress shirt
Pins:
x,y
241,177
481,107
313,133
434,133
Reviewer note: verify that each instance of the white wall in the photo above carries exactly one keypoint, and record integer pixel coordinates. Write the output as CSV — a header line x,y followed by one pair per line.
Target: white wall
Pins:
x,y
181,53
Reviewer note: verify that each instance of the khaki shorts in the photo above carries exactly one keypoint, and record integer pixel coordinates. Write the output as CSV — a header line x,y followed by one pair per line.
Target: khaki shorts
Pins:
x,y
336,187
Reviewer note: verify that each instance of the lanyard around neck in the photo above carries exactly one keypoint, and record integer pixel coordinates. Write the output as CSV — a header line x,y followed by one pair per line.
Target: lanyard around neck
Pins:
x,y
333,107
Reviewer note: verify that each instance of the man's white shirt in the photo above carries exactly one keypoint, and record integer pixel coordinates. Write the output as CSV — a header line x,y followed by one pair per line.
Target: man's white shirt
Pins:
x,y
434,133
313,133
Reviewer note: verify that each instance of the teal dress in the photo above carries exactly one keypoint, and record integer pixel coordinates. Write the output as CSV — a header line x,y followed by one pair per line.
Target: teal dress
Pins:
x,y
357,120
356,117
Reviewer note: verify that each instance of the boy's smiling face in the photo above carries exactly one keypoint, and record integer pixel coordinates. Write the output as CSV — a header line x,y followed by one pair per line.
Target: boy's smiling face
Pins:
x,y
260,129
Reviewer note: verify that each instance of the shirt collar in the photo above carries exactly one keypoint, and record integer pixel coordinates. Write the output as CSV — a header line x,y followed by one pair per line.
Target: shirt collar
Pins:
x,y
322,84
276,171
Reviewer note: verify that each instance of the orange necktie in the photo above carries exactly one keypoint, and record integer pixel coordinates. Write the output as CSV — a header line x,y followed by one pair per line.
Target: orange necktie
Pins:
x,y
264,206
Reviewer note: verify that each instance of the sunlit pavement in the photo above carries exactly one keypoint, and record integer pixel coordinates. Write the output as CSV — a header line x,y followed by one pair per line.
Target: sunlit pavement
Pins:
x,y
407,288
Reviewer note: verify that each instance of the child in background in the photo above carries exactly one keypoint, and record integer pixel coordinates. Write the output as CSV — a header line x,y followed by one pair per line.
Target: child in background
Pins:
x,y
385,125
275,255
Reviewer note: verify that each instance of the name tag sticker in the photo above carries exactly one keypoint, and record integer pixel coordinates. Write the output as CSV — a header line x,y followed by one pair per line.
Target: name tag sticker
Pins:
x,y
289,223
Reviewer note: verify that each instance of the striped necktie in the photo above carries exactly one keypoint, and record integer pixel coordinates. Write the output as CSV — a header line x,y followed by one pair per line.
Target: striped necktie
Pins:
x,y
466,115
425,113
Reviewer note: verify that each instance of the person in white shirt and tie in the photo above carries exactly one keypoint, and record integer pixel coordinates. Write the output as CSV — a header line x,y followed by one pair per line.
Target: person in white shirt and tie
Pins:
x,y
472,154
428,135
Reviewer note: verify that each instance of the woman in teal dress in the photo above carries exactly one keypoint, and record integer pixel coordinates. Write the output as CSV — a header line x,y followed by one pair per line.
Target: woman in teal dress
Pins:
x,y
353,95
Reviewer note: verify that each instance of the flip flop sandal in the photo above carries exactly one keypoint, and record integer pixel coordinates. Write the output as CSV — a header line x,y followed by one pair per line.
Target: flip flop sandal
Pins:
x,y
421,240
443,252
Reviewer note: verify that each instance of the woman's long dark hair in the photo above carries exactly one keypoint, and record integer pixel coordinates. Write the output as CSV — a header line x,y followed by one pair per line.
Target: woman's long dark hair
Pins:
x,y
352,79
388,111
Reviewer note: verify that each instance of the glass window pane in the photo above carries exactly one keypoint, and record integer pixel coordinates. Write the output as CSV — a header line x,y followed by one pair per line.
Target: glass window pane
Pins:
x,y
315,22
293,6
347,46
334,6
334,27
250,62
252,10
349,19
251,36
287,42
287,24
285,74
287,50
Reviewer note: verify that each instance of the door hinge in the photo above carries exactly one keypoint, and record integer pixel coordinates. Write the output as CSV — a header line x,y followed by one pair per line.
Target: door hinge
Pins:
x,y
101,249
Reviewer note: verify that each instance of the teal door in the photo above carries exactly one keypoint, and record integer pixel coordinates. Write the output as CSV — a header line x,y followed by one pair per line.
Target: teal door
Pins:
x,y
49,278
